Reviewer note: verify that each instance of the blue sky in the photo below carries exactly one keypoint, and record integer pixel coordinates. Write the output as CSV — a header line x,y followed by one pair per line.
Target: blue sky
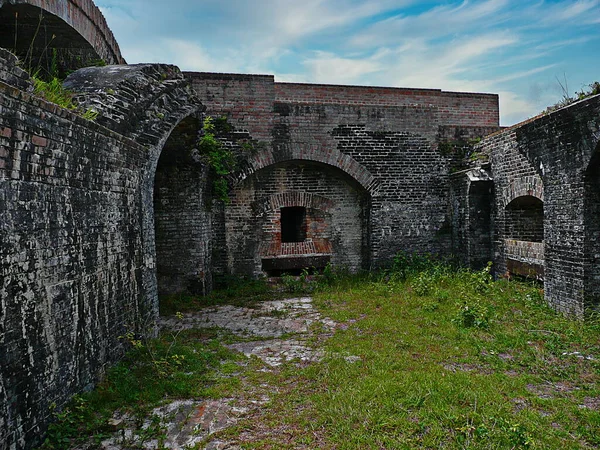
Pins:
x,y
516,48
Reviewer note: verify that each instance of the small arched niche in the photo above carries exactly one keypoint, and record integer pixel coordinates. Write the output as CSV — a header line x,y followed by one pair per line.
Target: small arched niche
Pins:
x,y
524,237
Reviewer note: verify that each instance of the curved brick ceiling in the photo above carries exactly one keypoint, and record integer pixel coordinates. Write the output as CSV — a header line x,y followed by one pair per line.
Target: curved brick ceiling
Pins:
x,y
32,28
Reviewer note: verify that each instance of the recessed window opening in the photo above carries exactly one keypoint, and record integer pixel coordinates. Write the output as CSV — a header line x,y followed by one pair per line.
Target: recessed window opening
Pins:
x,y
525,219
293,224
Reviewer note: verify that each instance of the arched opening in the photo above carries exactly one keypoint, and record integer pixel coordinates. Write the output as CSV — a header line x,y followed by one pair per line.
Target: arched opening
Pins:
x,y
295,215
44,43
480,223
592,233
524,237
181,221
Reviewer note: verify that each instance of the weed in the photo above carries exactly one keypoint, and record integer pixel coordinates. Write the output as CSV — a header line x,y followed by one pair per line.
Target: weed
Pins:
x,y
472,314
53,91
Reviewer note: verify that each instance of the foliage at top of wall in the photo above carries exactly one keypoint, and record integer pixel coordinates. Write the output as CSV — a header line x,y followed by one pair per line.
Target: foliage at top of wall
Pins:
x,y
593,89
50,87
461,153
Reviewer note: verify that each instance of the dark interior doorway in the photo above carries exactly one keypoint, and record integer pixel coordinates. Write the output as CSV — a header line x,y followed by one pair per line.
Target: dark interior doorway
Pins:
x,y
293,224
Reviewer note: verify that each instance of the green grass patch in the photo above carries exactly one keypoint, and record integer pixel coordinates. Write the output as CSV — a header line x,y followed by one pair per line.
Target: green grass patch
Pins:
x,y
447,358
173,366
426,357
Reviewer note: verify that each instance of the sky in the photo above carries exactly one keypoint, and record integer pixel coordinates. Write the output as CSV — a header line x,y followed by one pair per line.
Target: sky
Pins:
x,y
528,52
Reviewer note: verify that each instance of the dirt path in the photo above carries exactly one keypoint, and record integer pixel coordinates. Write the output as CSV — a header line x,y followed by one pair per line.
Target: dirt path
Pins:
x,y
274,332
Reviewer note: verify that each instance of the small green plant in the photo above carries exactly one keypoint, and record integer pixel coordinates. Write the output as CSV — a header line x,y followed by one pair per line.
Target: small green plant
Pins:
x,y
53,91
472,314
220,159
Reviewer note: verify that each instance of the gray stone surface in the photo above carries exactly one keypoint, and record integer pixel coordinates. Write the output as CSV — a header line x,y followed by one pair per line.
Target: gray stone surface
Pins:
x,y
189,422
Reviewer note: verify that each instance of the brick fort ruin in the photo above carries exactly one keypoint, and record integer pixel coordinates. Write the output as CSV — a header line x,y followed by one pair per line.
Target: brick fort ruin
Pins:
x,y
100,217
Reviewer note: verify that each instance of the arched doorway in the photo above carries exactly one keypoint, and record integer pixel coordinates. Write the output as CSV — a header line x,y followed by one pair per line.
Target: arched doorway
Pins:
x,y
295,215
524,236
182,224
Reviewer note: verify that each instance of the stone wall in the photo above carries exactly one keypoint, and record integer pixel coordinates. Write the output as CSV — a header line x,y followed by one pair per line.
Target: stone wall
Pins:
x,y
553,158
384,139
77,248
71,255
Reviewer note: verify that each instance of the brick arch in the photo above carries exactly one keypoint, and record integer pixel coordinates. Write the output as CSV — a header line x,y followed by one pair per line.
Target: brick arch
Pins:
x,y
76,24
292,198
524,186
334,157
144,102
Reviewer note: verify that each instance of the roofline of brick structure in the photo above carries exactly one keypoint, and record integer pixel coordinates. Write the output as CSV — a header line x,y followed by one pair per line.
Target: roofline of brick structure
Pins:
x,y
246,76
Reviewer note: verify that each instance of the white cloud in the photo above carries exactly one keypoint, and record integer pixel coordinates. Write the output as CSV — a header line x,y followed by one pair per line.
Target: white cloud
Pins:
x,y
328,68
480,45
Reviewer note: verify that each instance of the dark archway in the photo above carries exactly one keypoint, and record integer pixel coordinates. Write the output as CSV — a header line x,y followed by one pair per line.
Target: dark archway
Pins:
x,y
182,222
524,236
481,197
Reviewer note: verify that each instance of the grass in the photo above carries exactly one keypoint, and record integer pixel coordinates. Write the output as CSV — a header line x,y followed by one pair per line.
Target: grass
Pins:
x,y
172,366
425,357
447,359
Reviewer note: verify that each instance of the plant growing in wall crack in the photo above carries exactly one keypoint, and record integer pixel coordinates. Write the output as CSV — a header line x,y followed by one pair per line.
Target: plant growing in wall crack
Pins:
x,y
220,159
223,158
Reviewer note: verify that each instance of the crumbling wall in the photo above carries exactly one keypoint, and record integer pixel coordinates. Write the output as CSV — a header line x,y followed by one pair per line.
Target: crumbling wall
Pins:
x,y
551,158
71,255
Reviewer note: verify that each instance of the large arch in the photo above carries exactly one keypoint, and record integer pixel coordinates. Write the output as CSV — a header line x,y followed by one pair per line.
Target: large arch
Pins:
x,y
146,103
331,207
75,31
297,152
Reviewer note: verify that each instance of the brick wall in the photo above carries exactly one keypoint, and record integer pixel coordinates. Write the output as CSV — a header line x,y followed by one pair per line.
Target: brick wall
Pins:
x,y
547,158
455,108
71,256
592,231
385,139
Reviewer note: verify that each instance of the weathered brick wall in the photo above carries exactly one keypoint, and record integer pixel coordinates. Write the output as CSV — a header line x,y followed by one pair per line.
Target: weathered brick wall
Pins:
x,y
547,157
337,210
455,108
182,220
246,100
71,256
514,177
592,231
385,139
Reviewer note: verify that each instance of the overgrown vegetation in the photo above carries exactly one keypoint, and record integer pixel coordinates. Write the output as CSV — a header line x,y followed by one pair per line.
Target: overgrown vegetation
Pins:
x,y
176,365
223,159
51,89
425,355
590,90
